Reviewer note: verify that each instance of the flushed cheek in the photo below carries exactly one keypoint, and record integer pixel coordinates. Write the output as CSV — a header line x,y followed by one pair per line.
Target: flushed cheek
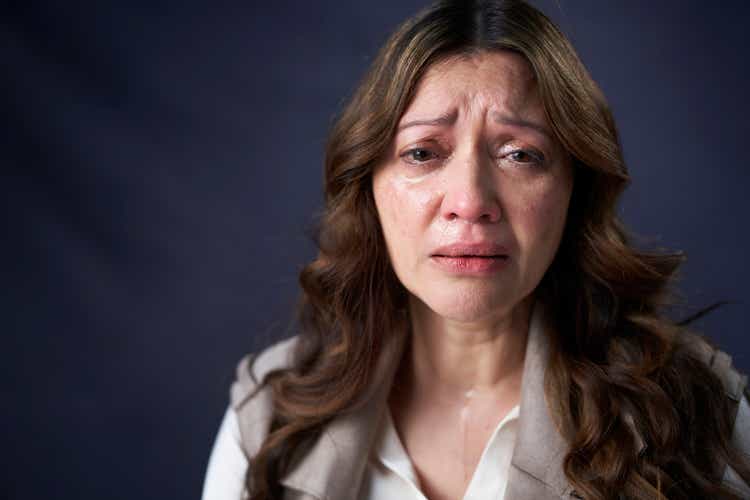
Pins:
x,y
542,220
418,190
411,203
404,207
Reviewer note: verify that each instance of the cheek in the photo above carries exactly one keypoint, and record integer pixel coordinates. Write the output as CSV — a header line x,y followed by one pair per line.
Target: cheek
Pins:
x,y
541,216
403,208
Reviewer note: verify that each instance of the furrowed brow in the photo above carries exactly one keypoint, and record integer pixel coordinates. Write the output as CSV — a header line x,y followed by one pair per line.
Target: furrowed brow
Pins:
x,y
447,119
518,122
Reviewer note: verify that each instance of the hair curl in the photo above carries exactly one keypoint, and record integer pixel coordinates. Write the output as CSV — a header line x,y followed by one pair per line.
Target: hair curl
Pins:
x,y
615,357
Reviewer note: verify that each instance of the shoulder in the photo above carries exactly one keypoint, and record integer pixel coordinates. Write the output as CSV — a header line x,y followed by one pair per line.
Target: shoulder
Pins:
x,y
720,363
736,389
246,422
251,401
253,368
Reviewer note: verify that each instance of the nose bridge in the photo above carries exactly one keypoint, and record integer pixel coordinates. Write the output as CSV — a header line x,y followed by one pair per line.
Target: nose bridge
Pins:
x,y
470,190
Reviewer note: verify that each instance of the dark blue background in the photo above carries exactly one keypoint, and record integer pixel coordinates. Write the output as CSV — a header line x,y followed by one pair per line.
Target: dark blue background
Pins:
x,y
161,164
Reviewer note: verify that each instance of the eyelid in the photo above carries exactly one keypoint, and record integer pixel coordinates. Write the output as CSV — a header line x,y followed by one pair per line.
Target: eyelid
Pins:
x,y
423,144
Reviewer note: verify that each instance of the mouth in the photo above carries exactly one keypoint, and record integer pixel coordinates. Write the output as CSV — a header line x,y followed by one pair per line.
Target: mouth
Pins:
x,y
471,264
471,256
470,250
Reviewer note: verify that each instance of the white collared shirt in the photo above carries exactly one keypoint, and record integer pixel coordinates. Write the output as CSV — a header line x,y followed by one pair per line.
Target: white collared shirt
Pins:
x,y
227,465
390,472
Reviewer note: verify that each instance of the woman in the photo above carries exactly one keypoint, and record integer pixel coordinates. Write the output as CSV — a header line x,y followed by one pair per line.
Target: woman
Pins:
x,y
476,324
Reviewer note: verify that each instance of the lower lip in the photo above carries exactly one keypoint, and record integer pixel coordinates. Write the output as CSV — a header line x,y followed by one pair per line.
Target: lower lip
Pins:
x,y
478,266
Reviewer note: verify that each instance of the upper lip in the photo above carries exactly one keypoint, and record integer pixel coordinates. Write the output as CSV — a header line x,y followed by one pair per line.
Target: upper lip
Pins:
x,y
484,249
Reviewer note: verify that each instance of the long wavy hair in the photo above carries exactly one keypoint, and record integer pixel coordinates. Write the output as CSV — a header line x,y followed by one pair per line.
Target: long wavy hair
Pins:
x,y
615,354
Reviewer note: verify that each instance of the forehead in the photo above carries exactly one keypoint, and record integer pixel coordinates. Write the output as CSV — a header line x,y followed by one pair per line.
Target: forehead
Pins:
x,y
495,79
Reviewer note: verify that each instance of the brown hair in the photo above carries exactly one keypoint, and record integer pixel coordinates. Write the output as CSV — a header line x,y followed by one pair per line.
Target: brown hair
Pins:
x,y
615,354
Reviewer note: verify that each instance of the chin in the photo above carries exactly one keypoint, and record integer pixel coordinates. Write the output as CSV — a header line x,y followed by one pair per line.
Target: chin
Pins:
x,y
468,306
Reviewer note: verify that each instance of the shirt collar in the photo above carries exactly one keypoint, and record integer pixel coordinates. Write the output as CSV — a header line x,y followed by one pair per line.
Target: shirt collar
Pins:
x,y
390,450
391,453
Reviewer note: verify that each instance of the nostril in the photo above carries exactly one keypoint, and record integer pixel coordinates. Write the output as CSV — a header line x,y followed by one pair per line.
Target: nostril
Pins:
x,y
459,204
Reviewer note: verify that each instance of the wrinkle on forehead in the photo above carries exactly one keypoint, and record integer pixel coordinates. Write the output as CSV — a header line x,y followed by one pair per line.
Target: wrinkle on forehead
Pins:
x,y
516,82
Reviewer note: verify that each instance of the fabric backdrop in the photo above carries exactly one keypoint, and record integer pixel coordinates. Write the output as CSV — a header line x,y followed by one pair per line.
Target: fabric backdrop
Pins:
x,y
162,164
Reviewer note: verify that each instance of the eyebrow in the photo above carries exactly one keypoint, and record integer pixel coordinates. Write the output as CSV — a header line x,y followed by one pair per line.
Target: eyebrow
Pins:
x,y
450,118
518,122
446,119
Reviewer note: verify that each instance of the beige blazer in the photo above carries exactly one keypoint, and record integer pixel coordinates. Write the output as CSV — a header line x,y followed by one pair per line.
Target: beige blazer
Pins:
x,y
334,467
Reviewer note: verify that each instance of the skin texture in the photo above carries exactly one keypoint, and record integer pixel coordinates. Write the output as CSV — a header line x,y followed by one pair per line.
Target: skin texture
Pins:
x,y
482,170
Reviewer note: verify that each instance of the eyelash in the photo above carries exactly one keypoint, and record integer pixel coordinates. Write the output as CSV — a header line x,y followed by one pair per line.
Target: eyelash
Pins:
x,y
537,158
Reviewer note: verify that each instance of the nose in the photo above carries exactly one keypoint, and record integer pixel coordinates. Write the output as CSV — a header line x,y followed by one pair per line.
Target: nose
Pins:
x,y
471,192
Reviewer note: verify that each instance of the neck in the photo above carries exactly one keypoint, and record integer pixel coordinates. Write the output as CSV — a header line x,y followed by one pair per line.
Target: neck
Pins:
x,y
449,361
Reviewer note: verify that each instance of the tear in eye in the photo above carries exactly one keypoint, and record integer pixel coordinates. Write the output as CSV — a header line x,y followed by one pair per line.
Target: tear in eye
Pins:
x,y
523,156
418,155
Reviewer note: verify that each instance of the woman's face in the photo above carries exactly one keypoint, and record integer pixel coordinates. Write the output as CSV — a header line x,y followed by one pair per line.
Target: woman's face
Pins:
x,y
473,193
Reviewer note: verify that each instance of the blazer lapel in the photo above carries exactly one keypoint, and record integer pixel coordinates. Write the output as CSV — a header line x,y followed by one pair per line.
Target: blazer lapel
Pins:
x,y
536,470
333,469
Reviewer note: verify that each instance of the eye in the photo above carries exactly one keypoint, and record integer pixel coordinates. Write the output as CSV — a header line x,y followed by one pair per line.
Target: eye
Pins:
x,y
525,157
416,156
